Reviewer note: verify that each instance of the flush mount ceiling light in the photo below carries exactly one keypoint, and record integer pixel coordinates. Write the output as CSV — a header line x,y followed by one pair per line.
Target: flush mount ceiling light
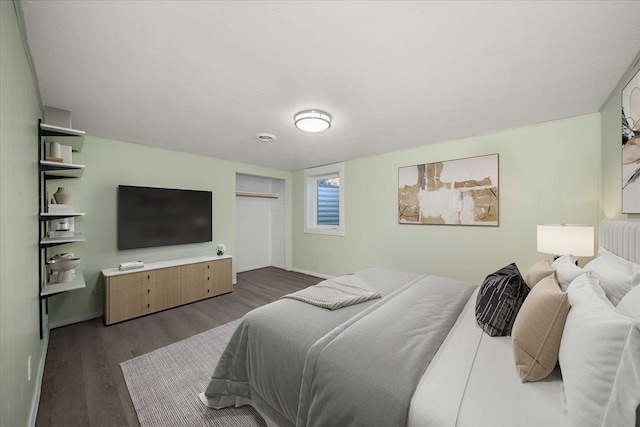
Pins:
x,y
312,120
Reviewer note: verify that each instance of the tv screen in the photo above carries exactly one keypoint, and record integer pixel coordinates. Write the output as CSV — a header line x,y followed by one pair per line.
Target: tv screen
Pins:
x,y
149,217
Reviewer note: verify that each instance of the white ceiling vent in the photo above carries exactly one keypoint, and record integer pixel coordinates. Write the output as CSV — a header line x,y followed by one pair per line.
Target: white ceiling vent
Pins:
x,y
266,137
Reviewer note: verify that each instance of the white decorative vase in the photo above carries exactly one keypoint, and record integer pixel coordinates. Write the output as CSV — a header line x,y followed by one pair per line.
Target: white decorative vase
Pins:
x,y
55,150
65,267
62,196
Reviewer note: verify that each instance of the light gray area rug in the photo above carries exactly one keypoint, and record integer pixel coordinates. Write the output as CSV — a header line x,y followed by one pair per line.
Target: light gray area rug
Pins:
x,y
164,384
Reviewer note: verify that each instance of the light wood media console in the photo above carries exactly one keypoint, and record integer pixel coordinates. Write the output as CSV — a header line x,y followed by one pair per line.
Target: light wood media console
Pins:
x,y
162,285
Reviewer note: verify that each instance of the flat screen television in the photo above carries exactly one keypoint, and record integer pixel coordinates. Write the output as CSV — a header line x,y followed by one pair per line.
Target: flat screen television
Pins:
x,y
149,217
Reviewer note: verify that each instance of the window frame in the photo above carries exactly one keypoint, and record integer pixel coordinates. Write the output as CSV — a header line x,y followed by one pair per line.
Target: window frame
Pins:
x,y
311,178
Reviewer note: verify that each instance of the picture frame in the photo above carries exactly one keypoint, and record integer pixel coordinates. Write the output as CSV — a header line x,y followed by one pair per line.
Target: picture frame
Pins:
x,y
630,152
453,192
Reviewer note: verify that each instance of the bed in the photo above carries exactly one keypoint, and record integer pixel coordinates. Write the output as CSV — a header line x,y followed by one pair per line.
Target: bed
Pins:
x,y
418,356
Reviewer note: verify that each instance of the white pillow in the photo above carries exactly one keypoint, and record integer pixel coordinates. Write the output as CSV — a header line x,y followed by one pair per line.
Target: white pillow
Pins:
x,y
630,304
626,266
616,274
566,270
599,358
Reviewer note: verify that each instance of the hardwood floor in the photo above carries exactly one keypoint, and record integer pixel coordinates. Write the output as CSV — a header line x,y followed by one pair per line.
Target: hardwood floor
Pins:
x,y
83,384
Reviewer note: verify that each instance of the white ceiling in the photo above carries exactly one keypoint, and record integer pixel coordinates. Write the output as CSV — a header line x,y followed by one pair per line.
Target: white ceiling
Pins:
x,y
205,77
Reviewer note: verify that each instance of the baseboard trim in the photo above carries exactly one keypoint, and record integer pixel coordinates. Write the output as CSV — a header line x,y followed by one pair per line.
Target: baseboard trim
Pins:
x,y
282,266
253,267
312,273
35,403
256,267
72,320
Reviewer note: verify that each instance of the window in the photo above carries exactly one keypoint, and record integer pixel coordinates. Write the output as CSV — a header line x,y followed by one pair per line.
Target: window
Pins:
x,y
324,200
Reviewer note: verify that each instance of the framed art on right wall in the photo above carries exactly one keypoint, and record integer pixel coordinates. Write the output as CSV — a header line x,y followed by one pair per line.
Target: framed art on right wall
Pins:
x,y
631,146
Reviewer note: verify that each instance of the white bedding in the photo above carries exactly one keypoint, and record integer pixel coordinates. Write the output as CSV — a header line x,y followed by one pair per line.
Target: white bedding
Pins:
x,y
472,381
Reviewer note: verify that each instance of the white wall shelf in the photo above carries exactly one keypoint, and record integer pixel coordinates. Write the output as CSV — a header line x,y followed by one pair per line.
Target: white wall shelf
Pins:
x,y
56,288
65,136
53,241
48,170
61,170
47,216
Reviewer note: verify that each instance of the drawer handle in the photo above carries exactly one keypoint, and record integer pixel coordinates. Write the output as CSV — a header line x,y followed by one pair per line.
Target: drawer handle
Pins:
x,y
148,305
208,266
148,276
207,290
148,291
208,278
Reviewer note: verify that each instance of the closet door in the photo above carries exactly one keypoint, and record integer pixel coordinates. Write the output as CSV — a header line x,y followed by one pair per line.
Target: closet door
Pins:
x,y
261,223
253,233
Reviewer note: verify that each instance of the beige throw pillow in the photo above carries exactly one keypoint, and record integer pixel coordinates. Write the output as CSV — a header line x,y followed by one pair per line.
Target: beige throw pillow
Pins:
x,y
537,330
537,272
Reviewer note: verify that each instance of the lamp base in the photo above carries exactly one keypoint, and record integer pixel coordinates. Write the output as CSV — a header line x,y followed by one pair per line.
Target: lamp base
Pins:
x,y
555,257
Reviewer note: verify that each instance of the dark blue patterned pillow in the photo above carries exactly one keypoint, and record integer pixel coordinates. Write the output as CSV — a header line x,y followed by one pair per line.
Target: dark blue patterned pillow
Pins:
x,y
500,299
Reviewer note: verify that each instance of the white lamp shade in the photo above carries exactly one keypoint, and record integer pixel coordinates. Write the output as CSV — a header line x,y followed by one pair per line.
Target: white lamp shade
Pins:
x,y
562,239
312,121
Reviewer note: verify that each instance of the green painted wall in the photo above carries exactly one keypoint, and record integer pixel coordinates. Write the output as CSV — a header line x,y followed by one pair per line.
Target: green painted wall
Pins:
x,y
110,163
611,150
549,173
567,170
19,331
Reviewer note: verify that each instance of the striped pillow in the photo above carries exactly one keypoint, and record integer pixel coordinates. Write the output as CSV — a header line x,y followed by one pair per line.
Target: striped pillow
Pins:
x,y
500,299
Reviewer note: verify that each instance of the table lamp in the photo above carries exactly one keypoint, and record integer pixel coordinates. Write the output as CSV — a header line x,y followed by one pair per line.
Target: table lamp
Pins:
x,y
562,239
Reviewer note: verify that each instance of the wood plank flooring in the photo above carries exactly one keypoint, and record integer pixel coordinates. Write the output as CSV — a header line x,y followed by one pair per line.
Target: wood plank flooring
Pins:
x,y
83,384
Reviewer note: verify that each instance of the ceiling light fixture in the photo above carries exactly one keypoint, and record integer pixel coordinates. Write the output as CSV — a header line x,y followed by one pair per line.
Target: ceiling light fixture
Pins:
x,y
312,120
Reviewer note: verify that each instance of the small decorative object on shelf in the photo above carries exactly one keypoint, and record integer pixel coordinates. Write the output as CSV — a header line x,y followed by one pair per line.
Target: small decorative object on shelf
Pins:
x,y
55,152
130,265
59,208
63,267
62,196
63,227
220,248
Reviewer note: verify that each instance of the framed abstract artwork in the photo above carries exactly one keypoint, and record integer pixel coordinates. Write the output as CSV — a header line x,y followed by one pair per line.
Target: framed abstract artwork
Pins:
x,y
454,192
631,146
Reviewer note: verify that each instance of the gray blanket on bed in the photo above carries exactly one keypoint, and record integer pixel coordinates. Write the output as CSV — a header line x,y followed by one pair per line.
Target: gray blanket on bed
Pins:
x,y
306,366
335,293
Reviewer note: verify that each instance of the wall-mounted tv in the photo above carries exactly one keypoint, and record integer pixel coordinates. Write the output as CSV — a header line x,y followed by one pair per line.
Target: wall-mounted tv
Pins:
x,y
149,217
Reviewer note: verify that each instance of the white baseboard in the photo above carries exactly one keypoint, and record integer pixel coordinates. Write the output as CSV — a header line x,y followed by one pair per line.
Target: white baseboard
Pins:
x,y
35,403
72,320
282,266
256,267
312,273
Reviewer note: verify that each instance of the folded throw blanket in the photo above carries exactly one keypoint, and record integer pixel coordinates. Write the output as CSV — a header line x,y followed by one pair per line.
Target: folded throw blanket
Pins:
x,y
337,292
